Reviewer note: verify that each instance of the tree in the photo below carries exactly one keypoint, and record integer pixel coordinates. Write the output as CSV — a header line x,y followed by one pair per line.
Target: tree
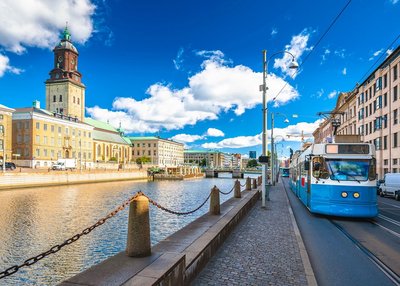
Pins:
x,y
143,160
203,162
252,163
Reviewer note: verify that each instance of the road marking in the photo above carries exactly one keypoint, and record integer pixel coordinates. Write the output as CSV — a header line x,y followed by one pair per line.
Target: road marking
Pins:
x,y
390,205
389,219
387,229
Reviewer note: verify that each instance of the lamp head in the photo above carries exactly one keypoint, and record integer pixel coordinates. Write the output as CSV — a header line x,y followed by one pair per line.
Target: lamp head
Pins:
x,y
294,65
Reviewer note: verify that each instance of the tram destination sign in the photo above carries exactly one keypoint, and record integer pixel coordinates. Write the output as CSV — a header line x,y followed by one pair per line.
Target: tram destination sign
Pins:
x,y
347,149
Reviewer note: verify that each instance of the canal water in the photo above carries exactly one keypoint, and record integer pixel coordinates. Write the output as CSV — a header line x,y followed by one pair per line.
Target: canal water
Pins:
x,y
35,219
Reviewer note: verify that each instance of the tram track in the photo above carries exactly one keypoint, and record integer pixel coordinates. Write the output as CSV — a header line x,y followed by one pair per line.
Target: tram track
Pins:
x,y
393,276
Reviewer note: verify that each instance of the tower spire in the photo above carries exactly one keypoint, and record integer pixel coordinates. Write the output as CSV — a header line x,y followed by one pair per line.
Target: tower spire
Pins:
x,y
66,35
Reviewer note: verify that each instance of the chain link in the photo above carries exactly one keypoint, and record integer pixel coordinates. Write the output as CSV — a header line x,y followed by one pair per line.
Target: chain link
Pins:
x,y
58,247
227,193
175,212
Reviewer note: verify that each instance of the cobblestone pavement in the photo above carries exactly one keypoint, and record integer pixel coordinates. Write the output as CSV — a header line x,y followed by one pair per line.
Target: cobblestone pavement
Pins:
x,y
262,250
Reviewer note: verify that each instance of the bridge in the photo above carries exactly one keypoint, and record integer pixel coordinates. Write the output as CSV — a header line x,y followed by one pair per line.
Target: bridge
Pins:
x,y
236,173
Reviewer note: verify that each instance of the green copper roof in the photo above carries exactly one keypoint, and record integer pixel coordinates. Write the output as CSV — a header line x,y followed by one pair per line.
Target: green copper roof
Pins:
x,y
143,138
100,125
127,140
200,151
66,35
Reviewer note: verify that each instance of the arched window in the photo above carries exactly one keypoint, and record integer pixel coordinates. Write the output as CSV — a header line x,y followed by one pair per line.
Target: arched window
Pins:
x,y
60,97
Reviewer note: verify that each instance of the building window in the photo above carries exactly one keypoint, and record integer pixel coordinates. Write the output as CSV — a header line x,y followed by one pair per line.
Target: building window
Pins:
x,y
395,120
384,119
384,142
45,152
66,131
395,140
385,81
149,153
385,100
45,140
394,72
394,161
385,162
394,170
59,129
52,128
395,93
54,98
378,84
37,125
37,152
78,100
377,143
1,145
74,99
60,98
366,111
37,139
45,127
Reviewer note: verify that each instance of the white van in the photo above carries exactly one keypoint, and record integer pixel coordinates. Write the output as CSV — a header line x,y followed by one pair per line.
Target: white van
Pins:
x,y
391,186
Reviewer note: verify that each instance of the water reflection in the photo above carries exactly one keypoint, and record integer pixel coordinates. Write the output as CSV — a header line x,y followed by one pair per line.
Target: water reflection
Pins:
x,y
33,220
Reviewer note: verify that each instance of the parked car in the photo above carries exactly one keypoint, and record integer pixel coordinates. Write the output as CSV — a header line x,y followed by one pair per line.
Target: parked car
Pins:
x,y
9,166
391,186
378,185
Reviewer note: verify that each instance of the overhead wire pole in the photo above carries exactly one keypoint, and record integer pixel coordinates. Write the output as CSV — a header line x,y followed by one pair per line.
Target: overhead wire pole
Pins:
x,y
265,194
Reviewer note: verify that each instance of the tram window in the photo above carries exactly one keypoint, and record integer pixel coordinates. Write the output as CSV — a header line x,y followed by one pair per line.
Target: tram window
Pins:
x,y
319,169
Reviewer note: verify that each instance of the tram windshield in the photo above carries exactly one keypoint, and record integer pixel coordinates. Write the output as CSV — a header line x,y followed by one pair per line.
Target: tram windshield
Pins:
x,y
285,172
350,169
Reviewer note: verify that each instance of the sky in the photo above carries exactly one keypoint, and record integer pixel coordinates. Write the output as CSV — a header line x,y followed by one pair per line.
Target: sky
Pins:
x,y
191,70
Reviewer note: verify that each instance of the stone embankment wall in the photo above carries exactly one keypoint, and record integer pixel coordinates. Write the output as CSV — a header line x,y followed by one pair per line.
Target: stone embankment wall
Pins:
x,y
11,180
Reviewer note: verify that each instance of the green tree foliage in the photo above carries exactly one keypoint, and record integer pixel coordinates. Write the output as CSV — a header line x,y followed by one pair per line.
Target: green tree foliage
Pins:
x,y
143,160
252,163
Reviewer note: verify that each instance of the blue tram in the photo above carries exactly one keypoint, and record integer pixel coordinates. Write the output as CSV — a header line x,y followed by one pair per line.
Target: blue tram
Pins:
x,y
336,179
284,172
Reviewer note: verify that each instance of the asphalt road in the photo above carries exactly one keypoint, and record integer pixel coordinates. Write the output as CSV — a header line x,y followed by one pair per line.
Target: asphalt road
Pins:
x,y
336,259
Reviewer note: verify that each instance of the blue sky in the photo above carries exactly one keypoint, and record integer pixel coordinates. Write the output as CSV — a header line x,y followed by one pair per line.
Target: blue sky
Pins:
x,y
191,70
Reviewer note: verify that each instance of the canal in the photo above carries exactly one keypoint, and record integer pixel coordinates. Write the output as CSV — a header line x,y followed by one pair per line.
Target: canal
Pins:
x,y
35,219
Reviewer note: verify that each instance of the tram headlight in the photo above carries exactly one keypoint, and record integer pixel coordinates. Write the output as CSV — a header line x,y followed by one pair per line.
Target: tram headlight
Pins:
x,y
344,194
356,195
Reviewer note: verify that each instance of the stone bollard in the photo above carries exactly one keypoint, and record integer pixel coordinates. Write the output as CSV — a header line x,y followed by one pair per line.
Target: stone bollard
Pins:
x,y
237,192
248,184
138,244
214,201
254,184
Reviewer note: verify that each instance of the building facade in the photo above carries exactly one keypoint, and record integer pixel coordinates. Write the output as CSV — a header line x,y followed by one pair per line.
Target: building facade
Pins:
x,y
161,152
212,159
372,111
5,133
41,137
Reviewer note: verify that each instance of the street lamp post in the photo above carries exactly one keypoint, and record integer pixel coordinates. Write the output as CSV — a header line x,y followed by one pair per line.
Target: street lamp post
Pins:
x,y
294,65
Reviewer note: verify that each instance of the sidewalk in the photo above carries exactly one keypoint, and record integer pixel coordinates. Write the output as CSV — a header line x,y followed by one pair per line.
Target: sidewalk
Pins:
x,y
264,249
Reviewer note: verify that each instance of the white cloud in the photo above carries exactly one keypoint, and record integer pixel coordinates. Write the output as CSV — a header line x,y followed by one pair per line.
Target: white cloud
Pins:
x,y
213,132
37,23
216,88
178,61
320,93
186,138
375,54
332,94
344,71
274,31
340,53
389,52
325,55
297,46
394,1
5,66
297,132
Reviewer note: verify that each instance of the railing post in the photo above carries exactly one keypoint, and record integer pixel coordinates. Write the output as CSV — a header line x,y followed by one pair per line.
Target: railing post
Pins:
x,y
138,243
214,201
238,194
248,184
254,183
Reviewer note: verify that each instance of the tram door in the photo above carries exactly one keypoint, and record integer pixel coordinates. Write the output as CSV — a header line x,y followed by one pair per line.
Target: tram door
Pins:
x,y
308,184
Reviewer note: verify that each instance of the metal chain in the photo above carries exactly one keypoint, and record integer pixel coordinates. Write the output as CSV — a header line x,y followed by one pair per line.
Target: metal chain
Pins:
x,y
243,184
227,192
56,248
175,212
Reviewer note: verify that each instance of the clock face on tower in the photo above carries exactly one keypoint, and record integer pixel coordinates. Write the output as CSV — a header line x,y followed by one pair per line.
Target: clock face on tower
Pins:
x,y
60,58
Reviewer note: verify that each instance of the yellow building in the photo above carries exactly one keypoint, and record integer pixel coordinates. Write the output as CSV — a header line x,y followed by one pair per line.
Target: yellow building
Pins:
x,y
161,152
41,137
109,144
5,133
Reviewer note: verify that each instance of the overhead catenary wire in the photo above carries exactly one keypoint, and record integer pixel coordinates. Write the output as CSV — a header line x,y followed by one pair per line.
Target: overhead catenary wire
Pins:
x,y
314,47
378,59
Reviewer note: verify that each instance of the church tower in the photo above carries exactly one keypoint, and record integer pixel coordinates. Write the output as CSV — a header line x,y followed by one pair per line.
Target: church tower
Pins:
x,y
65,92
